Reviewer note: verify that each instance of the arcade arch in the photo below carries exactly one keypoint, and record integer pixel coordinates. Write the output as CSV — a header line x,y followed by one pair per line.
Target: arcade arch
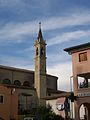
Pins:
x,y
84,111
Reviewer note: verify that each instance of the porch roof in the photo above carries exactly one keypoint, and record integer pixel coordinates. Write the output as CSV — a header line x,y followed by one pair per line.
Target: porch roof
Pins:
x,y
86,75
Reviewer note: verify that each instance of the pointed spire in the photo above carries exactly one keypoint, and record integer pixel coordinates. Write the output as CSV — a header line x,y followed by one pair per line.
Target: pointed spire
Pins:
x,y
40,32
39,25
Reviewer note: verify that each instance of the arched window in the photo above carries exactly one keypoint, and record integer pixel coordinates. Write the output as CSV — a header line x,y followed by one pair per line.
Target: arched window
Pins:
x,y
37,51
17,82
6,81
26,83
42,51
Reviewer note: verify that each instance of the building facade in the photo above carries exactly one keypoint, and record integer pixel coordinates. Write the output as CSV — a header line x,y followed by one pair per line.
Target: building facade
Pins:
x,y
81,79
60,104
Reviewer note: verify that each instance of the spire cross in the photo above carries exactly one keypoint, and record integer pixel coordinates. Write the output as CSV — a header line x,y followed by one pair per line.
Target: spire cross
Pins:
x,y
39,25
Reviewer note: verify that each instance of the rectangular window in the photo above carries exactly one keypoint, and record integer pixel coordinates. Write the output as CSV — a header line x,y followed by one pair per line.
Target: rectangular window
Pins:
x,y
1,99
83,56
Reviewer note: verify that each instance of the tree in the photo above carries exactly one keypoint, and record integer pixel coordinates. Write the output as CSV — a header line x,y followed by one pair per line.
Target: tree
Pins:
x,y
46,113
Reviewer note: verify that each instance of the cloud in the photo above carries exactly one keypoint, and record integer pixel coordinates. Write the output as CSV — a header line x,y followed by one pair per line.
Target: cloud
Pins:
x,y
68,36
63,71
16,61
17,31
5,3
71,19
27,50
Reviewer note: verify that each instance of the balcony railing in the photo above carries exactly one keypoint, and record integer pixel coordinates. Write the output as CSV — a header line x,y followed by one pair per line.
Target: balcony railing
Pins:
x,y
84,84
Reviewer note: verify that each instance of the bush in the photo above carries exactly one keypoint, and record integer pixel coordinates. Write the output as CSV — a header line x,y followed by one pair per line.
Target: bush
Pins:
x,y
52,116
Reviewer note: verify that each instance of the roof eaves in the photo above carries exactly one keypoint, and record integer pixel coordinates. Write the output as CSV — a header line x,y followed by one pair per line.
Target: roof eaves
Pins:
x,y
15,69
77,48
57,96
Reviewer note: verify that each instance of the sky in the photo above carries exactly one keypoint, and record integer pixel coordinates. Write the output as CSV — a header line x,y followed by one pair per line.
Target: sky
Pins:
x,y
65,23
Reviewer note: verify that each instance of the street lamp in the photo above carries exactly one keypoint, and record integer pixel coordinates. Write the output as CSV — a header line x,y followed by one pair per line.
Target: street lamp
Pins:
x,y
71,99
71,83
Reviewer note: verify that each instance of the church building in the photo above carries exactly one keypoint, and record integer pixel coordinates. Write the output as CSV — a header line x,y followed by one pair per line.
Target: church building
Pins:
x,y
21,90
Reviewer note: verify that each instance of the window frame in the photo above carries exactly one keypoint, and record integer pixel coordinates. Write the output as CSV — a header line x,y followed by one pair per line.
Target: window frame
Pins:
x,y
17,82
37,51
6,81
82,56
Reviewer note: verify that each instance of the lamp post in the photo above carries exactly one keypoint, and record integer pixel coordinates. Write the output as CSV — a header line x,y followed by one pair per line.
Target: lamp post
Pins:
x,y
71,83
71,99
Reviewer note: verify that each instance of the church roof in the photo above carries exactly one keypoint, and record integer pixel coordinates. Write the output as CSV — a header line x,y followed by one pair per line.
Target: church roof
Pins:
x,y
15,69
22,70
60,95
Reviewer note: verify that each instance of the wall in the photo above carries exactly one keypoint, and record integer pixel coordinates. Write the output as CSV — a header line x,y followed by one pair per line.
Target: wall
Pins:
x,y
80,67
21,75
16,75
52,82
10,105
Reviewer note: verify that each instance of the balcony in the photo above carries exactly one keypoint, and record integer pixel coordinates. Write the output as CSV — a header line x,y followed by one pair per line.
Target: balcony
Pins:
x,y
83,80
83,85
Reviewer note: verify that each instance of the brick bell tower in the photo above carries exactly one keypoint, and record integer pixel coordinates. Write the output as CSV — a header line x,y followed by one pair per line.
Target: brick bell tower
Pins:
x,y
40,67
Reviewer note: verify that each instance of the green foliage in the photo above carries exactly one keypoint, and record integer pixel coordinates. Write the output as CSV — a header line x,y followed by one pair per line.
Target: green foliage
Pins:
x,y
52,116
42,113
46,113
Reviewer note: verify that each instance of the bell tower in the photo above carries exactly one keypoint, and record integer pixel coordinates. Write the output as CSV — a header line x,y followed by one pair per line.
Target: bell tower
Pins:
x,y
40,67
